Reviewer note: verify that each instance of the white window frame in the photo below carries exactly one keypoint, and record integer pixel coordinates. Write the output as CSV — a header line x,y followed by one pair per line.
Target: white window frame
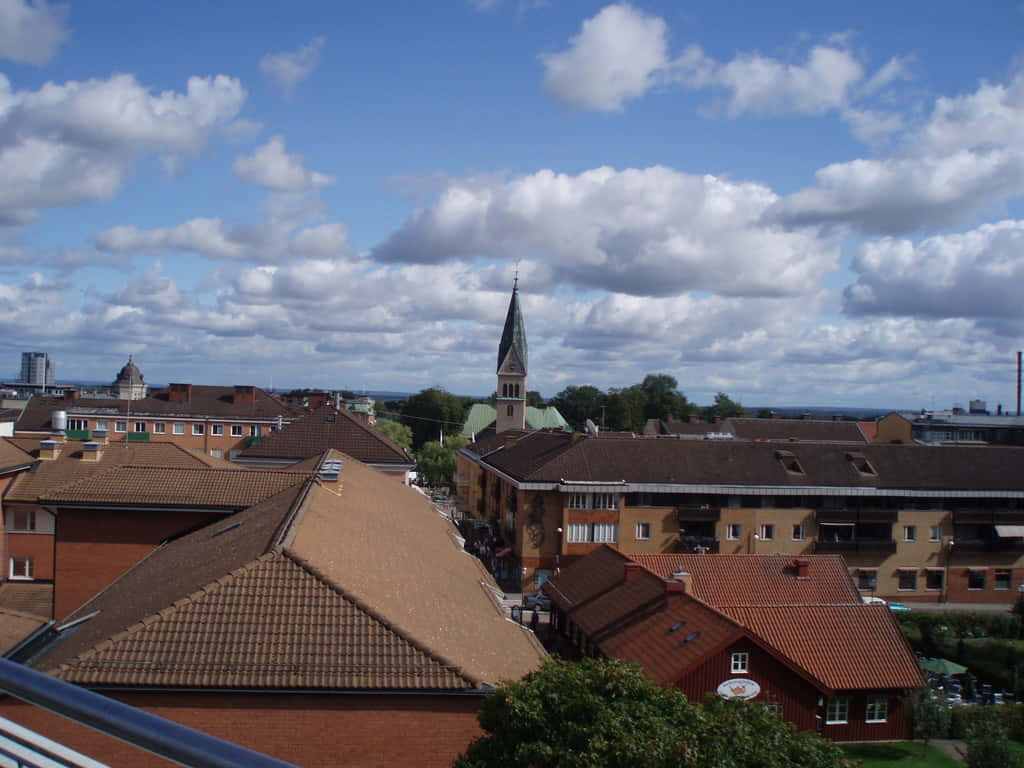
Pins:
x,y
579,501
121,426
29,568
739,662
217,453
605,533
1009,578
935,533
799,532
643,531
77,425
838,710
137,424
578,533
767,532
254,430
30,520
178,428
198,428
984,579
102,424
876,710
733,531
910,533
236,430
216,430
606,501
159,427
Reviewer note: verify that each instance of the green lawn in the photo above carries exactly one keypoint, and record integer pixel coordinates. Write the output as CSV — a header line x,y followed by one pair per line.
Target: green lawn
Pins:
x,y
903,754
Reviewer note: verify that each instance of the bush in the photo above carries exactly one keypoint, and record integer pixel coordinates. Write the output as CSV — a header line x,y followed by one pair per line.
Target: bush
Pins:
x,y
987,744
929,717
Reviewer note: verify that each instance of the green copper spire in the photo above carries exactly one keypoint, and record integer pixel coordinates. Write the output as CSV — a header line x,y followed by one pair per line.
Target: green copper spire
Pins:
x,y
514,335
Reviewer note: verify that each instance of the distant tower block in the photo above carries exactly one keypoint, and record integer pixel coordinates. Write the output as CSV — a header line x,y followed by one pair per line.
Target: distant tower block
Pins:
x,y
129,384
512,368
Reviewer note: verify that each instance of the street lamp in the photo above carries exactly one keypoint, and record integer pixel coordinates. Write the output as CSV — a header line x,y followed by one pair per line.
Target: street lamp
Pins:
x,y
945,576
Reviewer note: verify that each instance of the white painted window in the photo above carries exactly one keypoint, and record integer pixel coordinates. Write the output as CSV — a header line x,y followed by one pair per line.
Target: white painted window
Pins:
x,y
877,709
740,662
579,501
606,533
254,430
198,428
767,532
102,424
217,429
21,520
838,710
140,426
578,533
160,427
606,501
120,426
22,567
910,533
78,425
179,428
217,453
733,531
935,533
236,430
799,532
643,531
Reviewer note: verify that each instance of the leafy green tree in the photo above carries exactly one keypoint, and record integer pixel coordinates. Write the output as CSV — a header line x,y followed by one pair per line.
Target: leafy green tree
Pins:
x,y
664,400
988,745
436,462
533,398
724,408
398,433
577,404
432,412
929,717
624,409
606,714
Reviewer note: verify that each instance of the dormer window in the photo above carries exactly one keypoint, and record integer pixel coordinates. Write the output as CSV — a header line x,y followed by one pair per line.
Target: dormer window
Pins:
x,y
861,464
789,462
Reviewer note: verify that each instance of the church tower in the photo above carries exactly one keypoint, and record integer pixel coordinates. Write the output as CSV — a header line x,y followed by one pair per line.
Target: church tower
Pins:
x,y
129,384
512,368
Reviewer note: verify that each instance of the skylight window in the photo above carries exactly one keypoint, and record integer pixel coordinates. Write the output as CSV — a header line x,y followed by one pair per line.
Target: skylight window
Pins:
x,y
789,462
690,638
675,627
861,464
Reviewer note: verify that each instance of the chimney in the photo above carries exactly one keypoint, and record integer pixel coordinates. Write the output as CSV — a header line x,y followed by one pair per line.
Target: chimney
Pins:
x,y
244,395
775,414
685,578
837,417
805,417
179,393
803,568
694,418
49,449
632,571
100,436
92,451
674,590
71,394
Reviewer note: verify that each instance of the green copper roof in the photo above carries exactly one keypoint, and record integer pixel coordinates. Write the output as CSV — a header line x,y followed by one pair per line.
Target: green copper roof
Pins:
x,y
514,335
482,415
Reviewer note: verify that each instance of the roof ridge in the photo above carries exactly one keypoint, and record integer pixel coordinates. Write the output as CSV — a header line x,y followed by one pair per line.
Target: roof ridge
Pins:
x,y
377,616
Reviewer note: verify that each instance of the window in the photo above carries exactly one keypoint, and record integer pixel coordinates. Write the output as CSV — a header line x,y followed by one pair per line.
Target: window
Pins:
x,y
78,425
179,428
236,430
140,426
254,429
198,429
606,533
21,567
935,533
578,501
508,411
771,703
598,533
877,709
909,532
22,520
1003,578
643,531
799,532
838,710
975,579
767,532
867,580
217,429
217,453
120,426
578,532
789,462
732,531
740,662
160,427
933,579
102,424
606,501
908,580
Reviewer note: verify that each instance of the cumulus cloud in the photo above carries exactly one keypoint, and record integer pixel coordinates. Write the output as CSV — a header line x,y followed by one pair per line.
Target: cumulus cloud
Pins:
x,y
652,231
31,31
617,56
286,70
274,169
66,143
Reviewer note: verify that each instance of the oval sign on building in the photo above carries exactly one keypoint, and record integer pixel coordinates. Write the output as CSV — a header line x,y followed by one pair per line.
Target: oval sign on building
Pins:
x,y
739,688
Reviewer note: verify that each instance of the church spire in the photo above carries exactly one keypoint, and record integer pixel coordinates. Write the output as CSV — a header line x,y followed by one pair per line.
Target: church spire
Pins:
x,y
513,337
511,403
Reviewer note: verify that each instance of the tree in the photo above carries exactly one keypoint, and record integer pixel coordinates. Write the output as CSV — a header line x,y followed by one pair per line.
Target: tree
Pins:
x,y
436,463
988,745
398,433
625,409
577,404
605,713
725,407
664,400
533,398
929,717
432,412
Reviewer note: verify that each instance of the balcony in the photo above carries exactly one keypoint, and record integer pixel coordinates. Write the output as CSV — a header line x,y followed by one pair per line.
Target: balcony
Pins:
x,y
701,514
989,545
697,544
858,546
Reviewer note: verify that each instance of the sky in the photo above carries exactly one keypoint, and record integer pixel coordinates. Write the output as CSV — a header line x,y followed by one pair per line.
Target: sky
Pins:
x,y
796,203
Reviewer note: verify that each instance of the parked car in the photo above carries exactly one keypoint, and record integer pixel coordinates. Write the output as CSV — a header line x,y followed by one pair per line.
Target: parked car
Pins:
x,y
872,600
537,601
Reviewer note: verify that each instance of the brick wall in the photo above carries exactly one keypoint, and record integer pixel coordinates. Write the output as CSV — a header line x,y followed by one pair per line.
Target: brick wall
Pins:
x,y
309,730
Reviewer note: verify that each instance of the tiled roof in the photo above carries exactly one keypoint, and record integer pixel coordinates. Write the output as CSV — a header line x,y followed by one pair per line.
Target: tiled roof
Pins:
x,y
11,455
168,486
796,429
483,415
359,586
327,428
34,597
846,647
217,402
551,457
69,467
15,626
722,580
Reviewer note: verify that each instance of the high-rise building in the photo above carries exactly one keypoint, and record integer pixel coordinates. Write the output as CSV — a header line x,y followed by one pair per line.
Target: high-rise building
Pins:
x,y
37,369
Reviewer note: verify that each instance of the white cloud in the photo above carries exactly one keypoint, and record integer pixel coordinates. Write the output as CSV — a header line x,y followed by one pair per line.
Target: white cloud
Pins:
x,y
66,143
650,231
272,168
287,70
617,56
31,31
207,236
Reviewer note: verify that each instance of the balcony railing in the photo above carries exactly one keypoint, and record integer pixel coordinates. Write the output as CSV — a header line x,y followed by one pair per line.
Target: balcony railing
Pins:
x,y
702,544
148,732
860,546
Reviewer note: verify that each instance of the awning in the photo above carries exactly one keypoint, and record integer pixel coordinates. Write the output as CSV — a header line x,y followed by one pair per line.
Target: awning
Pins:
x,y
867,570
907,568
1010,531
835,525
935,569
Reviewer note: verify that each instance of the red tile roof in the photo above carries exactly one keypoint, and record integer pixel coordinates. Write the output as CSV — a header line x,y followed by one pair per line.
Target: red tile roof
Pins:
x,y
12,456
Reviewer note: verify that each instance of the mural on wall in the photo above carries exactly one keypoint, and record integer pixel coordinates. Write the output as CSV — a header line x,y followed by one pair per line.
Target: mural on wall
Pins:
x,y
535,528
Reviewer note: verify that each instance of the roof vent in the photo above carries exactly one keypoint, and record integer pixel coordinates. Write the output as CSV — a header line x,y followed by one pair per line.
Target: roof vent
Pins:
x,y
49,449
330,471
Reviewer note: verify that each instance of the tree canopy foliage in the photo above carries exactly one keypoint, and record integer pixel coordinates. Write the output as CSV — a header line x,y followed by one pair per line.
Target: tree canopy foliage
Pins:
x,y
431,412
625,410
399,433
436,462
606,714
724,408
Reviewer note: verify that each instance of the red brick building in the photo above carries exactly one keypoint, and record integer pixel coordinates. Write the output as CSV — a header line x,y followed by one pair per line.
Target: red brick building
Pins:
x,y
790,633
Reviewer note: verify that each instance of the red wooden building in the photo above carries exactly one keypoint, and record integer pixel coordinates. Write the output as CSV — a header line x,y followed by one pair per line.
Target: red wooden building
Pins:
x,y
790,633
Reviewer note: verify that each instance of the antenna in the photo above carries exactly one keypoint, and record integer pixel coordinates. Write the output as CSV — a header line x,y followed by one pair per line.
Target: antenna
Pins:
x,y
515,280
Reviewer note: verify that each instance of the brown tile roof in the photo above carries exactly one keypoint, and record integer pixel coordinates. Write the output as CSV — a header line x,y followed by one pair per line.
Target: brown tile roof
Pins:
x,y
796,429
846,647
327,428
552,457
724,580
12,455
358,586
170,486
15,626
68,467
34,597
217,402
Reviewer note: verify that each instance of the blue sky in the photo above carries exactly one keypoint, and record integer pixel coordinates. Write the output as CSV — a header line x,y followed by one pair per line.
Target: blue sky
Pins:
x,y
795,203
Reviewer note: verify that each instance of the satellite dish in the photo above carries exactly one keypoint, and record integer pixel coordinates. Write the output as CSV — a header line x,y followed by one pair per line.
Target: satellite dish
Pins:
x,y
590,428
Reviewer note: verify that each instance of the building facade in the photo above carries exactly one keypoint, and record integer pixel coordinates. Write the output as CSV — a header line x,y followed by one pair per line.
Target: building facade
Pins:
x,y
37,370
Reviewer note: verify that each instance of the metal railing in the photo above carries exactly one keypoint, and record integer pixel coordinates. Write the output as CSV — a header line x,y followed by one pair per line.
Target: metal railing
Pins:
x,y
165,738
